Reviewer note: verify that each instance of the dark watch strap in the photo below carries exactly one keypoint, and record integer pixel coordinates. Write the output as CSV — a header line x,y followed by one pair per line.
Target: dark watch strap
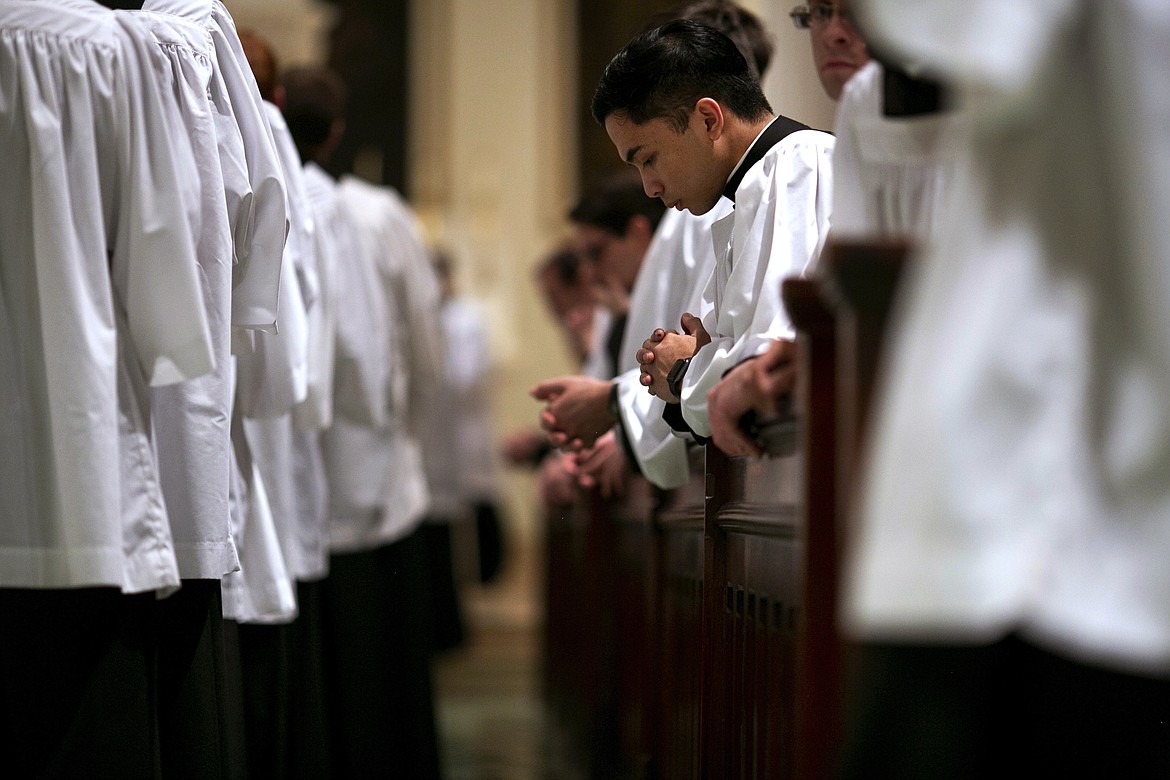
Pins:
x,y
674,379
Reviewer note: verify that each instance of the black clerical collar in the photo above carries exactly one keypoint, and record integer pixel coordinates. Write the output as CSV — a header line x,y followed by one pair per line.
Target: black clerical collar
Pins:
x,y
780,128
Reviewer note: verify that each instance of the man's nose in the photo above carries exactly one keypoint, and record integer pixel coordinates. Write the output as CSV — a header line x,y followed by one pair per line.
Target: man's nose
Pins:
x,y
839,29
651,186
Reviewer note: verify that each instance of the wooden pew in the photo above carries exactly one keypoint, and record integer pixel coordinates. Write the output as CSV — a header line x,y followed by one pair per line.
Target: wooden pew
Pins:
x,y
635,623
600,631
692,633
678,536
752,565
842,322
818,689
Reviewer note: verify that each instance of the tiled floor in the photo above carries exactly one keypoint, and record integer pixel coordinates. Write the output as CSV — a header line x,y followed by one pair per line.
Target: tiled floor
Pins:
x,y
489,708
491,718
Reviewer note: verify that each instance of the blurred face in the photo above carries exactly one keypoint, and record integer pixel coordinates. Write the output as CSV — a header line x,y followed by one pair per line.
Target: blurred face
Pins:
x,y
615,259
677,168
562,299
837,47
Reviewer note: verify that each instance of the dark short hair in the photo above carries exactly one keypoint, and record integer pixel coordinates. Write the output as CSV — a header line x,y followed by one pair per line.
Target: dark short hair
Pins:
x,y
262,59
564,263
314,98
662,73
742,26
610,203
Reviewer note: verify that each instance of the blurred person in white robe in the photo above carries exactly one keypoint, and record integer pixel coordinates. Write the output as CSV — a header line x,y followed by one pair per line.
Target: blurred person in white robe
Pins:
x,y
99,264
1006,569
614,223
375,624
463,534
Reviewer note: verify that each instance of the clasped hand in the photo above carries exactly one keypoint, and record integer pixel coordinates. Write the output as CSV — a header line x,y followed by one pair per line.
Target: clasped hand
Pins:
x,y
664,348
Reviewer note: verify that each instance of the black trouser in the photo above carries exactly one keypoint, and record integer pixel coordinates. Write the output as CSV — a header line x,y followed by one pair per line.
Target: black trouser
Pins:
x,y
377,659
94,683
1008,709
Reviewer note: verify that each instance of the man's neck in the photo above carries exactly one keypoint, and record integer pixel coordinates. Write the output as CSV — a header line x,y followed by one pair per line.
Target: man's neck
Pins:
x,y
742,135
740,139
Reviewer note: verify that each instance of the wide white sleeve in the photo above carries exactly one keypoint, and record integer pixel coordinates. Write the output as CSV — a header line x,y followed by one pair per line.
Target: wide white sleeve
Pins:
x,y
272,370
300,216
316,411
680,253
781,220
153,254
256,275
998,48
419,300
672,280
661,454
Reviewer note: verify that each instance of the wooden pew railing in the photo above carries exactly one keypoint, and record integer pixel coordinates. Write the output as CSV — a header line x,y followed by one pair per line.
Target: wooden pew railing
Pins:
x,y
678,529
692,633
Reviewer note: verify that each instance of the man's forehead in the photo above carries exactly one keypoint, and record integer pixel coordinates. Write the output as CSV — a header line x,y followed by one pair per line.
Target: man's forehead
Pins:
x,y
630,138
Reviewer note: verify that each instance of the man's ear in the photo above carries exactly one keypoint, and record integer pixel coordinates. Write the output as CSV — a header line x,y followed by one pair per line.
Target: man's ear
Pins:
x,y
710,113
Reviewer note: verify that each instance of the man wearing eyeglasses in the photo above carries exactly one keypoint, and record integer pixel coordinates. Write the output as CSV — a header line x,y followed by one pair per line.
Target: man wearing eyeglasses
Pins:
x,y
838,52
837,47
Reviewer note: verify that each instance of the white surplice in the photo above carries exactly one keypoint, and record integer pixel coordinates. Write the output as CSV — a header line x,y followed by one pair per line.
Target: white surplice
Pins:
x,y
272,378
777,228
260,239
101,295
455,418
890,174
277,448
671,281
377,485
1018,478
357,382
192,419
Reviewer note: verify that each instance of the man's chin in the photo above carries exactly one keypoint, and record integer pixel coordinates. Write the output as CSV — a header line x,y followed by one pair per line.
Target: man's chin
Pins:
x,y
699,209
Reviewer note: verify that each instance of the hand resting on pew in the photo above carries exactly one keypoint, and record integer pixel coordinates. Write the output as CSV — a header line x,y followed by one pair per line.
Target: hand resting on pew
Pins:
x,y
751,404
603,466
576,410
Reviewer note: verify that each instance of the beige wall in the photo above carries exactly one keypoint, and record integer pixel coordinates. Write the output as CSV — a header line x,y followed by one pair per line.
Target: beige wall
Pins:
x,y
491,163
296,29
493,155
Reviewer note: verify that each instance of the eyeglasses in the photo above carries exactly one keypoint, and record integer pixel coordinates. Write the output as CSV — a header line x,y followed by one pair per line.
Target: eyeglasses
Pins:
x,y
805,17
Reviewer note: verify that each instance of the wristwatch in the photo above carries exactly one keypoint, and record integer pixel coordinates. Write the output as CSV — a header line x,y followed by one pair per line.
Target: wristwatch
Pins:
x,y
614,405
674,379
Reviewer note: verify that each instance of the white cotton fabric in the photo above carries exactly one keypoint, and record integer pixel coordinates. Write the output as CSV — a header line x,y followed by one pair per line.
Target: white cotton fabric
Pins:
x,y
272,367
777,228
455,419
377,485
890,174
597,363
262,591
273,379
101,296
316,411
671,281
358,383
192,419
260,239
1021,448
